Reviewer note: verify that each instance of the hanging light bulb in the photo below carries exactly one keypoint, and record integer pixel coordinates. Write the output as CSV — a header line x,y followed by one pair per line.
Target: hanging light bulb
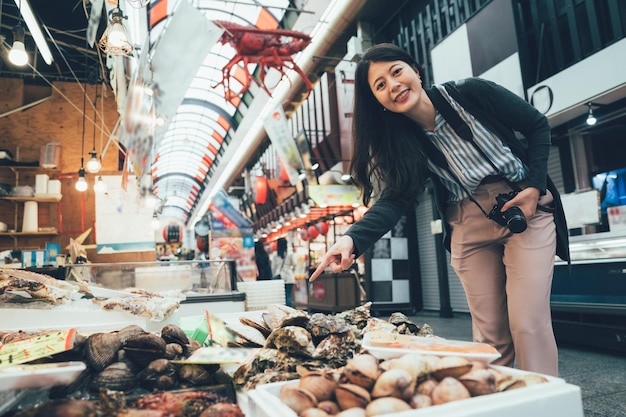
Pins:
x,y
99,186
155,223
591,119
93,165
81,184
17,54
115,40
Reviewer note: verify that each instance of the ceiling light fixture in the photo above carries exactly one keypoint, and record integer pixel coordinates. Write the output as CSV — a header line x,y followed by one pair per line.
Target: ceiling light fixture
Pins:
x,y
94,164
35,31
17,54
591,119
100,186
81,184
115,39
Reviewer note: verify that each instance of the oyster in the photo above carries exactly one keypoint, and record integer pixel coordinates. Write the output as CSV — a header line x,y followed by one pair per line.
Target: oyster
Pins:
x,y
322,325
358,316
278,316
295,340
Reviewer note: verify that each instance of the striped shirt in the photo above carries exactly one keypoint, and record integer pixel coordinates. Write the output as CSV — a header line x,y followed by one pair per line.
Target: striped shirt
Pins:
x,y
467,164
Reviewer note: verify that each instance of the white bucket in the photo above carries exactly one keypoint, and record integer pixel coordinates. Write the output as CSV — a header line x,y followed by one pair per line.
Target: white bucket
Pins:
x,y
30,217
41,184
54,187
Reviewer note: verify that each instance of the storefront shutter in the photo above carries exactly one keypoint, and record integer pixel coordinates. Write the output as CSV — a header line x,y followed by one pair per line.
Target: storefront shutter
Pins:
x,y
427,255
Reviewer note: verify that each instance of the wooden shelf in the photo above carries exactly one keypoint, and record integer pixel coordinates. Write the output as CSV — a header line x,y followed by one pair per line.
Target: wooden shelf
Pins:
x,y
40,199
16,234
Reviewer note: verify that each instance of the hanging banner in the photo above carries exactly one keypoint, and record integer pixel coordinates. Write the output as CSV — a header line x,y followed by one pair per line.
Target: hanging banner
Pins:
x,y
222,204
277,129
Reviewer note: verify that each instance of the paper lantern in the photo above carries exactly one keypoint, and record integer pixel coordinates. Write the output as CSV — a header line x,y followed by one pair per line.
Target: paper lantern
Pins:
x,y
173,233
304,235
323,228
260,187
313,232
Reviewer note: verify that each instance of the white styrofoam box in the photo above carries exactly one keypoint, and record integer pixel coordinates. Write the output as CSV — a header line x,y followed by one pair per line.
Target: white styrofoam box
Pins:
x,y
553,398
164,278
260,294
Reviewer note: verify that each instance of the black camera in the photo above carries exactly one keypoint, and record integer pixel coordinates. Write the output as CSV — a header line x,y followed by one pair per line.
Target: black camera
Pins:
x,y
512,218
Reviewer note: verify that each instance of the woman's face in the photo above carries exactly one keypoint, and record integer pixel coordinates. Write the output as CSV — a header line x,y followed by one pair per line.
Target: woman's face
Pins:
x,y
395,84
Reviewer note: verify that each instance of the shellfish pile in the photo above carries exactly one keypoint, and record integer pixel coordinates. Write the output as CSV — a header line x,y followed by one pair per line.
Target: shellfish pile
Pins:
x,y
367,387
291,339
133,358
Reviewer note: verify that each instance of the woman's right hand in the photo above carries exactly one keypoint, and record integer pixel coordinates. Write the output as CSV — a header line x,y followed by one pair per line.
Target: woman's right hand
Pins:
x,y
339,257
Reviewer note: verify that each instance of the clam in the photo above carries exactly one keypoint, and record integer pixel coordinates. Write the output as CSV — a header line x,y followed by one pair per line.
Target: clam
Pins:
x,y
386,405
362,370
128,331
314,412
479,382
352,412
525,381
453,366
159,374
297,398
321,384
449,389
144,348
116,377
330,407
351,395
173,351
418,365
101,350
174,334
195,374
396,382
427,386
420,401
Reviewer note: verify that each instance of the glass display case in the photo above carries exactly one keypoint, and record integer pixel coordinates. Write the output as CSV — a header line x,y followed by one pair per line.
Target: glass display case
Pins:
x,y
200,281
589,297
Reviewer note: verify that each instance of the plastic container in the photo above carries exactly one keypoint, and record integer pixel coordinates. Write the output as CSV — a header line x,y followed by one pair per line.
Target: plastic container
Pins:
x,y
553,398
50,155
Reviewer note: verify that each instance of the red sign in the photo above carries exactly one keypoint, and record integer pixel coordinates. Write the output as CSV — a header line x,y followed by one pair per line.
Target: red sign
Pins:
x,y
319,291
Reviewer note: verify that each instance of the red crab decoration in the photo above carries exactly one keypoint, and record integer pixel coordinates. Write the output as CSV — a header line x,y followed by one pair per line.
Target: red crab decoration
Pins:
x,y
263,47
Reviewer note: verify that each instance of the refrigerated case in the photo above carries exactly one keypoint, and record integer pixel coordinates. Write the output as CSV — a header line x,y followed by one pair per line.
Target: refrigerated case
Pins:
x,y
589,298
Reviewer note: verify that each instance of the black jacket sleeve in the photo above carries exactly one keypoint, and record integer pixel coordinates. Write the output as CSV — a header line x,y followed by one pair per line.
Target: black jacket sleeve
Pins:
x,y
377,221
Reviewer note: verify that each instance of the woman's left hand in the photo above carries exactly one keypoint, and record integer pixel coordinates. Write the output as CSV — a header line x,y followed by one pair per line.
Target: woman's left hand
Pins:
x,y
526,200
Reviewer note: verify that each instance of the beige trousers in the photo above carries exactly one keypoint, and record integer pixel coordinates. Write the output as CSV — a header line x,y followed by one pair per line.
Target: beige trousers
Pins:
x,y
507,278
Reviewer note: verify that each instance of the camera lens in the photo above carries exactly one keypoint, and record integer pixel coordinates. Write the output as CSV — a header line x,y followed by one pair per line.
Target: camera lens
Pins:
x,y
515,220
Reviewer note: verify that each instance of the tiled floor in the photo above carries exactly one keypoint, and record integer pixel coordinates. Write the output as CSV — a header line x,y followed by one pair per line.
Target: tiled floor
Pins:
x,y
600,375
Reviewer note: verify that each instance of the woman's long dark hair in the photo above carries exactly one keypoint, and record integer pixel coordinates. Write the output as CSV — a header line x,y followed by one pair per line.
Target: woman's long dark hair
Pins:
x,y
385,145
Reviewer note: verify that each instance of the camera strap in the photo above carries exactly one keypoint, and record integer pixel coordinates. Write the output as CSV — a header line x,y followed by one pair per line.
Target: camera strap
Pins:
x,y
463,130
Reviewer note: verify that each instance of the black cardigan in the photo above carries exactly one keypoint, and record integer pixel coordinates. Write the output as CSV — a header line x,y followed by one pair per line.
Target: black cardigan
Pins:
x,y
503,113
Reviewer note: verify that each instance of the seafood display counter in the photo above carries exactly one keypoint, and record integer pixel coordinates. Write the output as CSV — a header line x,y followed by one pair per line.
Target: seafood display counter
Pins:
x,y
133,372
204,284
